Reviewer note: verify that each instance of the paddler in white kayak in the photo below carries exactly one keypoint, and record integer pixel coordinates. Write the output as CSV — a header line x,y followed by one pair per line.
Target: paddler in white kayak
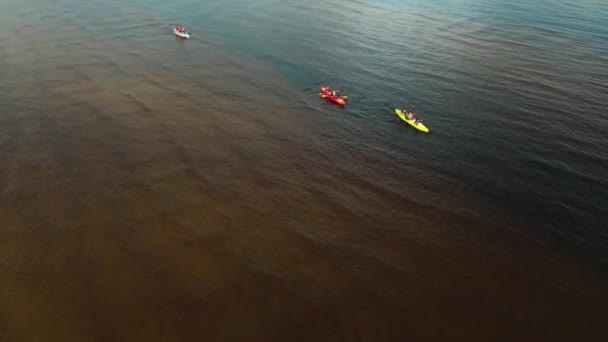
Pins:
x,y
181,32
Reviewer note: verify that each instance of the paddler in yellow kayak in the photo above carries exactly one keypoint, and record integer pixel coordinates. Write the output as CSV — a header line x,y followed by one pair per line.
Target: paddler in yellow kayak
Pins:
x,y
412,120
410,116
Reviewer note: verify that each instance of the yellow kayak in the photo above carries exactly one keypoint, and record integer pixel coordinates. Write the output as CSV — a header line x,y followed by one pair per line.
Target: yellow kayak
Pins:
x,y
419,126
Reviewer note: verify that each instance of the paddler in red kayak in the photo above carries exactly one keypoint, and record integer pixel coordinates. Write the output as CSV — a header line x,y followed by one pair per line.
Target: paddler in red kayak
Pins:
x,y
336,93
333,95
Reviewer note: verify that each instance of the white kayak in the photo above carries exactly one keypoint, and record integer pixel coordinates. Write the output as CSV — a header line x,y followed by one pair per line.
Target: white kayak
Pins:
x,y
181,34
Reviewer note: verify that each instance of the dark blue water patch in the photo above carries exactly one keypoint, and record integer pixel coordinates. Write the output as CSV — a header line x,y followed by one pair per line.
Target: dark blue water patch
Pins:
x,y
551,199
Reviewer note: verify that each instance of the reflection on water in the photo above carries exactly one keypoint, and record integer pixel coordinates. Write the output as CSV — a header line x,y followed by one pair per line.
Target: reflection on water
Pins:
x,y
161,189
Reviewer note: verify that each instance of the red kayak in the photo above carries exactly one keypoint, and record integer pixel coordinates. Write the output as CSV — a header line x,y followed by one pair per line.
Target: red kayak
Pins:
x,y
326,92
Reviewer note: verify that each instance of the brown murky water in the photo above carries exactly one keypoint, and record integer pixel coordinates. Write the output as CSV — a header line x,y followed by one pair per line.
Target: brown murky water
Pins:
x,y
161,190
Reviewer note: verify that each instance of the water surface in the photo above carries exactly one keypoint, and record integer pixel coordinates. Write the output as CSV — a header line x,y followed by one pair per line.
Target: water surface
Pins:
x,y
160,189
